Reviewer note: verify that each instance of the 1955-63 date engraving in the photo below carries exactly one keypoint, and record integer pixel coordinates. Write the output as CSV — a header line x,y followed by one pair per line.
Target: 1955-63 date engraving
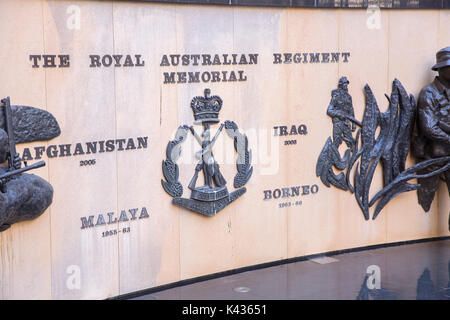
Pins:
x,y
115,232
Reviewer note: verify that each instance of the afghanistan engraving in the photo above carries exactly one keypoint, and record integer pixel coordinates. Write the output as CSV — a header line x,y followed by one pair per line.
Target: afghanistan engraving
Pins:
x,y
22,196
213,196
391,145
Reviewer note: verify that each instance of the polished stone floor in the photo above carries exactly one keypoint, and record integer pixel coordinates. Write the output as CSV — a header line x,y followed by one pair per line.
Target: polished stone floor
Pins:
x,y
412,271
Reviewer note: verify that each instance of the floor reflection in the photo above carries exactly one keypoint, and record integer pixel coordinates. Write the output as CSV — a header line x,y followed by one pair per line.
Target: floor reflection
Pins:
x,y
374,294
405,272
426,290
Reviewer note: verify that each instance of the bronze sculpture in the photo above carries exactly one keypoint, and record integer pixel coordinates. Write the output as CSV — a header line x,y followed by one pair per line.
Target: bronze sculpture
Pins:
x,y
391,145
22,196
433,125
213,196
342,113
207,163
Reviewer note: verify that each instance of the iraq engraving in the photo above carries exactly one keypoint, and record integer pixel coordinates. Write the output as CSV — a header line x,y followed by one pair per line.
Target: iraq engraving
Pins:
x,y
213,196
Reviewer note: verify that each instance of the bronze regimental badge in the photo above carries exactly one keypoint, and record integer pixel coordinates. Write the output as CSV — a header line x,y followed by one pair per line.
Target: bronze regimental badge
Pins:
x,y
213,196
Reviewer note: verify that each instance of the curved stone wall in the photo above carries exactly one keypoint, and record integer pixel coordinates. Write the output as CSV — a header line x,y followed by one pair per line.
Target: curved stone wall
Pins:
x,y
119,78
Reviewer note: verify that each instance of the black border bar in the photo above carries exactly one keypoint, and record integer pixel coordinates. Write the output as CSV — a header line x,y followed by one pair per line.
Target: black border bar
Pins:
x,y
337,4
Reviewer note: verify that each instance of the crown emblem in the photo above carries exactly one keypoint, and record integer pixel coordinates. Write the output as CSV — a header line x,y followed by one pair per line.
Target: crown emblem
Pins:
x,y
213,196
206,109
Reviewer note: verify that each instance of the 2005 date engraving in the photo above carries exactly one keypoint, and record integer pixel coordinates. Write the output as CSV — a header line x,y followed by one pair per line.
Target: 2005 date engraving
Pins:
x,y
90,162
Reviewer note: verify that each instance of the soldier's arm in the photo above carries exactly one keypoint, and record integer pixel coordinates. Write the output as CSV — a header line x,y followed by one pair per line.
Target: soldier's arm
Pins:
x,y
427,119
196,136
352,110
3,146
352,114
332,112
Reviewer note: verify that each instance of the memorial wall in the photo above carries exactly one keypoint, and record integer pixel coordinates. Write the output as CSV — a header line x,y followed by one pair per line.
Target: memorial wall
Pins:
x,y
125,83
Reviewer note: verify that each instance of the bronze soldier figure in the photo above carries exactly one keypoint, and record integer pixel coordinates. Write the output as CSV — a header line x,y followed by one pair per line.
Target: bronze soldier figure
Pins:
x,y
207,162
433,125
341,110
22,196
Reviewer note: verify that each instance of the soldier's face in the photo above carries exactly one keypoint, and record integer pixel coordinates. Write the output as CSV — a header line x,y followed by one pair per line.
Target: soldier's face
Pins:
x,y
445,73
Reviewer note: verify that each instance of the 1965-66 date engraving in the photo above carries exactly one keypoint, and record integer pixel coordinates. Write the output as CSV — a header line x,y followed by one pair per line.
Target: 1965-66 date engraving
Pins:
x,y
290,204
